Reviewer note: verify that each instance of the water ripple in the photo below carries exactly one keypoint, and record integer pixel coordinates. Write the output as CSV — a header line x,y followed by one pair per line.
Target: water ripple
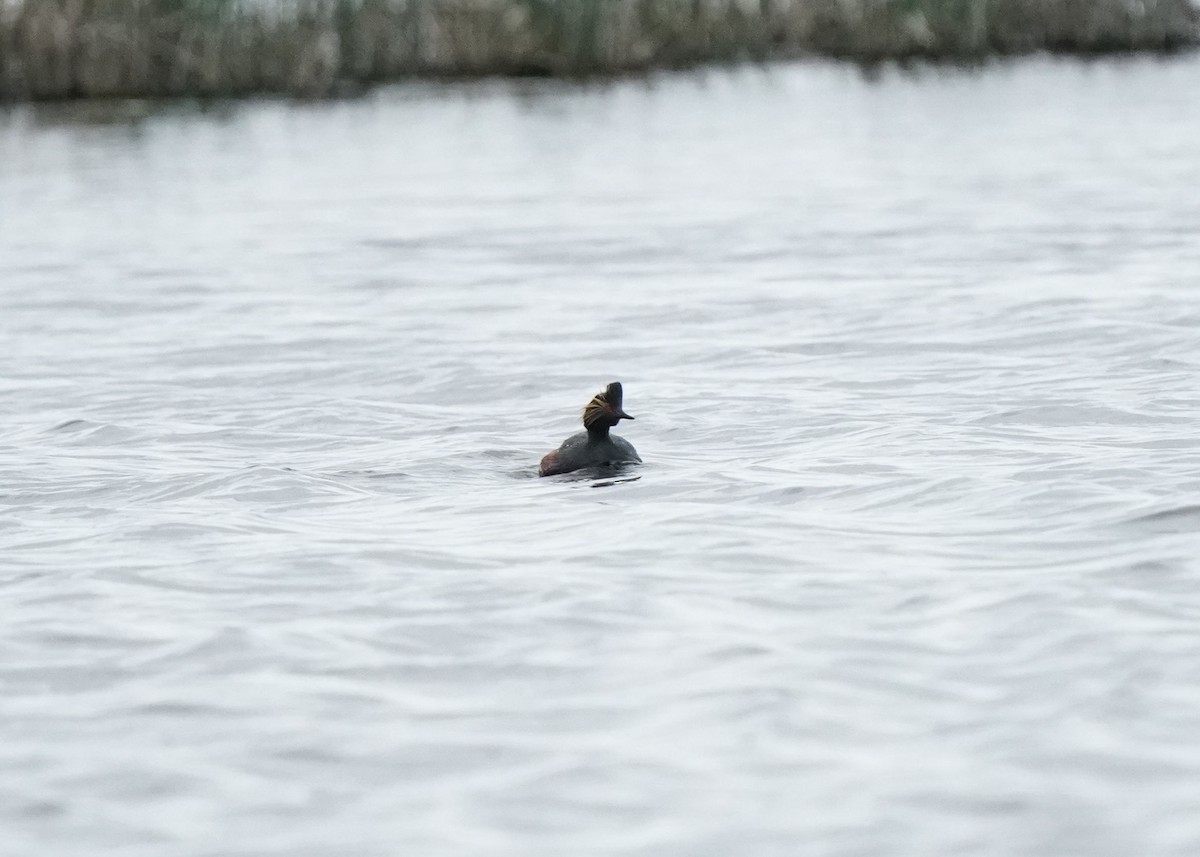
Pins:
x,y
914,546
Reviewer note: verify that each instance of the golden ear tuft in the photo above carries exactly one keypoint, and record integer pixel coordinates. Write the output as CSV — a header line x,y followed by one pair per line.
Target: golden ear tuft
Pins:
x,y
595,409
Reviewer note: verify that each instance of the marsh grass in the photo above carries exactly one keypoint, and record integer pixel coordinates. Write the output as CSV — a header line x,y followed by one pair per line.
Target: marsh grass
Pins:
x,y
54,49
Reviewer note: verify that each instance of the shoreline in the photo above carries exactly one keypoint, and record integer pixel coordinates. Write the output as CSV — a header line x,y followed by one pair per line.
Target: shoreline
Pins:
x,y
66,50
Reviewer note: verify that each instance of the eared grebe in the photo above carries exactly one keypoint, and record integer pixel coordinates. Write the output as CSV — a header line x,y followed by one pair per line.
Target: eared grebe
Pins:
x,y
594,447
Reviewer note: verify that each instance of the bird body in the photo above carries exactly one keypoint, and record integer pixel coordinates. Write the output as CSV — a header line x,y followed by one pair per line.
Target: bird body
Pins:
x,y
595,446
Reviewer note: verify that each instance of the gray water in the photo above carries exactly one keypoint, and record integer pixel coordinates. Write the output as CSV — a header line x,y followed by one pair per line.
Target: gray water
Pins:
x,y
910,569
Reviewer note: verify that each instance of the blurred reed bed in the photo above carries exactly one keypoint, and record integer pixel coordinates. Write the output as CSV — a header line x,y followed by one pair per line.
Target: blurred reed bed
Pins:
x,y
53,49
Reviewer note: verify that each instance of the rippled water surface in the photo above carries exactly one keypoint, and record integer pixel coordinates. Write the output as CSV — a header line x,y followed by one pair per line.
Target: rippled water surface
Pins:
x,y
910,569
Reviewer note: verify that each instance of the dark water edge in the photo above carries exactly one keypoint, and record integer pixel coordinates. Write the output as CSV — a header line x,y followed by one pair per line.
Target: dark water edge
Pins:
x,y
65,49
